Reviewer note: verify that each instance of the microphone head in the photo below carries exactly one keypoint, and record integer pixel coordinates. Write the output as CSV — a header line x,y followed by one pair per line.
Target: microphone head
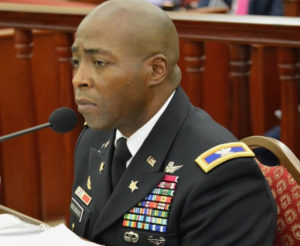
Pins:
x,y
63,120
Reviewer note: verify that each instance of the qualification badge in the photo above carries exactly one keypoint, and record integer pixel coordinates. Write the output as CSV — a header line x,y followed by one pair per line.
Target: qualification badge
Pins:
x,y
172,168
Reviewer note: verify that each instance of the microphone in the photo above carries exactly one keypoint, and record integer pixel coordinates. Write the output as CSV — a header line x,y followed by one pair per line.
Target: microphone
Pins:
x,y
61,120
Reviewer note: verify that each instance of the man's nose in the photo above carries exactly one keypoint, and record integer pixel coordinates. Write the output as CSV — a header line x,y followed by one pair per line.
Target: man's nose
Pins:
x,y
81,78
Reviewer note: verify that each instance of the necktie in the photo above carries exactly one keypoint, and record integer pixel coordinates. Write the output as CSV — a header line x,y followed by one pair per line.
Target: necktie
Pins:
x,y
121,156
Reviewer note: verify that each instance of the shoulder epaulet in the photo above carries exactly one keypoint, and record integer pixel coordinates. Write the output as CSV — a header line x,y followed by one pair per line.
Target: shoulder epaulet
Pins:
x,y
221,153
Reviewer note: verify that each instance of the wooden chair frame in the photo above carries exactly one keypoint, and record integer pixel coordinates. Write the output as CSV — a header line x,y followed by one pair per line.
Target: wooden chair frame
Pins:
x,y
285,156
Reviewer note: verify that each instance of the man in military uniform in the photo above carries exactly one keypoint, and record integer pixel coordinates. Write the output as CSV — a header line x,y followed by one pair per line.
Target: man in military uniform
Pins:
x,y
186,180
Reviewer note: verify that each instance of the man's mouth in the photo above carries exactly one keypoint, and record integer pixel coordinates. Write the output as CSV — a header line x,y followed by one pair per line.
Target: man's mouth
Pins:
x,y
85,105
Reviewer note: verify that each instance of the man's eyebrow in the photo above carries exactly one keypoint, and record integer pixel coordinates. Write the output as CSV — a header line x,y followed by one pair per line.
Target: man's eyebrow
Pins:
x,y
92,51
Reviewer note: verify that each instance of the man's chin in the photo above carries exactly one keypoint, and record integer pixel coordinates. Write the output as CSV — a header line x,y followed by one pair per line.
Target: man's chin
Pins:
x,y
96,125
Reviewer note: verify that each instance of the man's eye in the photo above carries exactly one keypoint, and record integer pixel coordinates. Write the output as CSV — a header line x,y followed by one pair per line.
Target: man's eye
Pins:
x,y
75,62
99,63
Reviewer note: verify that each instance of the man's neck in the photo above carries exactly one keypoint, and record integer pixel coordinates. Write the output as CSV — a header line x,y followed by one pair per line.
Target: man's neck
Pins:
x,y
136,140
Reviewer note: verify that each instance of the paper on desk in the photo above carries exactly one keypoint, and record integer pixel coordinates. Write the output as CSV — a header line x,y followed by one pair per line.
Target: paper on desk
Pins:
x,y
54,236
10,224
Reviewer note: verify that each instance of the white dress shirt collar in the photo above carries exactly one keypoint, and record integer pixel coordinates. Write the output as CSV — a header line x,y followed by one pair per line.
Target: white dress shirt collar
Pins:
x,y
135,141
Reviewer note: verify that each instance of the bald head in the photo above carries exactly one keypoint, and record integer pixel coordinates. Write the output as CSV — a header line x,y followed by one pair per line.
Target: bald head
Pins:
x,y
125,64
143,28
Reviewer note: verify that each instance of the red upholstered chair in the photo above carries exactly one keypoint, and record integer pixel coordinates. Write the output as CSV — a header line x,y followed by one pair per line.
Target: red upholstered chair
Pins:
x,y
284,181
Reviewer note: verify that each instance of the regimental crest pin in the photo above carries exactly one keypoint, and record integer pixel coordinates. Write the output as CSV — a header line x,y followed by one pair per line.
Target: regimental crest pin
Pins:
x,y
151,161
171,168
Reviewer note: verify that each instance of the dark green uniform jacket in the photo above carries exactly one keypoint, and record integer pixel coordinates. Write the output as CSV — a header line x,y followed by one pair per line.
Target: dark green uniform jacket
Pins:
x,y
165,197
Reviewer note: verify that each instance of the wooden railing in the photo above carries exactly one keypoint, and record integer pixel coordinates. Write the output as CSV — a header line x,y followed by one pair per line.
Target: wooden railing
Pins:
x,y
291,7
239,69
246,45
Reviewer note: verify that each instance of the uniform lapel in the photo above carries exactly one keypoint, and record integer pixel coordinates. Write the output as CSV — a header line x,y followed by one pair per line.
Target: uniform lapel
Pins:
x,y
146,167
99,165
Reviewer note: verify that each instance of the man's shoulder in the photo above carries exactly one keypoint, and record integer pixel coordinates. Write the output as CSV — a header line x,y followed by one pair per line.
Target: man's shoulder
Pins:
x,y
200,128
206,144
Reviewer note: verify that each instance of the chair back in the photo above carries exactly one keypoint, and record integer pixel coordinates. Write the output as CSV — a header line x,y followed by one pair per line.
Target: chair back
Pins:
x,y
284,181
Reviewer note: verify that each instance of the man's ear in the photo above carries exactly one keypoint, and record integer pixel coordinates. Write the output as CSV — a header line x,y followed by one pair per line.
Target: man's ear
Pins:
x,y
158,65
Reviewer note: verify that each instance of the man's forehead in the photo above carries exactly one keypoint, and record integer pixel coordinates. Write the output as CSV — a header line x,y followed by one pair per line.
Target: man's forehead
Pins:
x,y
119,30
99,27
110,34
88,45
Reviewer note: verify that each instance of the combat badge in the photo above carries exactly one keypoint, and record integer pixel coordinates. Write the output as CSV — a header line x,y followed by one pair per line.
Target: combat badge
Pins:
x,y
221,153
156,241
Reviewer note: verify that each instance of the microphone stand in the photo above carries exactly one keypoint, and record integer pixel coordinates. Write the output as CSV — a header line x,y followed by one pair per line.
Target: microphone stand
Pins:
x,y
32,129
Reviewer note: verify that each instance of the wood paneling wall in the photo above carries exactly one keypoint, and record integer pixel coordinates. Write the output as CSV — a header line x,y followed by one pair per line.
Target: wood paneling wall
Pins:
x,y
224,70
34,81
